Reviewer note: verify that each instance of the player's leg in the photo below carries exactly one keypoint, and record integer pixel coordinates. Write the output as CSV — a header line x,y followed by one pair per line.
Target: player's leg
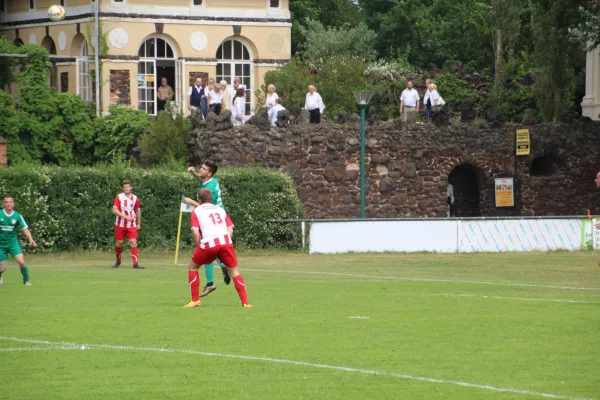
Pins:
x,y
133,244
119,242
22,267
194,282
229,258
226,277
3,259
210,284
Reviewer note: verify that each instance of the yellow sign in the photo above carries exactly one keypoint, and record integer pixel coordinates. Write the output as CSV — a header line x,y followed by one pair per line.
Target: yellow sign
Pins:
x,y
523,142
149,78
505,192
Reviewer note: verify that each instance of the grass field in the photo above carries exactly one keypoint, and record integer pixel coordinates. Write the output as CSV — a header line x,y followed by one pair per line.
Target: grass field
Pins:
x,y
375,326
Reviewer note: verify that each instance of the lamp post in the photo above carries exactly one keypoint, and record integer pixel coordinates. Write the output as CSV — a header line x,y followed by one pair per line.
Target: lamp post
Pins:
x,y
362,98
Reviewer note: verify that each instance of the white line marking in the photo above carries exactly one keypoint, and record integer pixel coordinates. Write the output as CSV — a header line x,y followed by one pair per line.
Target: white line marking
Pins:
x,y
358,317
302,363
395,278
37,348
517,298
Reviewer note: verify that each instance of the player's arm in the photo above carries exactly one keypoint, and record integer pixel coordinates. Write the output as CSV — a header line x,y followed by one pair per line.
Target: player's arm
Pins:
x,y
196,234
29,237
138,213
189,201
229,224
192,171
118,213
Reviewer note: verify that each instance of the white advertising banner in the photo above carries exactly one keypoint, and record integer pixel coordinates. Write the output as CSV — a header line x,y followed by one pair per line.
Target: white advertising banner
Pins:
x,y
380,236
450,236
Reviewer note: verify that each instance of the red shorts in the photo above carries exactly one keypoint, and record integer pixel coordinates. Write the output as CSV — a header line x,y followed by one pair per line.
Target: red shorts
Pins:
x,y
122,233
226,254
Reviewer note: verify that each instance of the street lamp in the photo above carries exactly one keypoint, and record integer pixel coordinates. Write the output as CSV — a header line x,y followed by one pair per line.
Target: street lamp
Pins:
x,y
362,98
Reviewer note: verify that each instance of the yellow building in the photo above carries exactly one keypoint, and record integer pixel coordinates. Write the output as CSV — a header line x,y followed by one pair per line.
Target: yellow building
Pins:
x,y
142,41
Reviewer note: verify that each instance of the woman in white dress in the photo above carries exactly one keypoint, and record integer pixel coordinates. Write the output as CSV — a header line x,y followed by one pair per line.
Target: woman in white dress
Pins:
x,y
239,106
271,97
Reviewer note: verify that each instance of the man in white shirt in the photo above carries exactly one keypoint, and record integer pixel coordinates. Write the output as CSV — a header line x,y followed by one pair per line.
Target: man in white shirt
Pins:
x,y
274,110
314,105
197,97
409,102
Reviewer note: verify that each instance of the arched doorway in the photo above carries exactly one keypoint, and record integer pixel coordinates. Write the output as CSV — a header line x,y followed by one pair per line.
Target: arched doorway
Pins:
x,y
542,166
234,59
157,60
465,185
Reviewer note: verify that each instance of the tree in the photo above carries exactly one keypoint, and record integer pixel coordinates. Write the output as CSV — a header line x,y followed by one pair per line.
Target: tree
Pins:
x,y
587,31
7,64
554,56
345,43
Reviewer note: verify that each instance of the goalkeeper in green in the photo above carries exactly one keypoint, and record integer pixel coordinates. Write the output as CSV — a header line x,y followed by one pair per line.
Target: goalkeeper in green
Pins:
x,y
205,175
9,244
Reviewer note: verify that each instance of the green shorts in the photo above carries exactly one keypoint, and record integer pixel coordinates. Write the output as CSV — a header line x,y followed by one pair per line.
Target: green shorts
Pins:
x,y
13,248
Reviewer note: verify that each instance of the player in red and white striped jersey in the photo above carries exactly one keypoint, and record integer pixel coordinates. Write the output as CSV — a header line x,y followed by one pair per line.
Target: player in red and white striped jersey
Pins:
x,y
212,228
128,221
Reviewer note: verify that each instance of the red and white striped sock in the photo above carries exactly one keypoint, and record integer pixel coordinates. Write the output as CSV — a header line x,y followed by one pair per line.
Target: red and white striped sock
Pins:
x,y
134,255
194,280
240,286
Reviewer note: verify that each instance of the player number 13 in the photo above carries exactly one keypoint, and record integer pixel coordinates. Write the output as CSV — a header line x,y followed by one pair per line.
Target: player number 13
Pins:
x,y
216,219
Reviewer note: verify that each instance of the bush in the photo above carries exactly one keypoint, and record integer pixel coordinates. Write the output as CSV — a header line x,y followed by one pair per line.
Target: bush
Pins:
x,y
166,140
455,90
70,208
119,133
512,101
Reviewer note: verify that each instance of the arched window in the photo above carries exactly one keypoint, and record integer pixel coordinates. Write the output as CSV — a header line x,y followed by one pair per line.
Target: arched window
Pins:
x,y
155,53
83,73
234,60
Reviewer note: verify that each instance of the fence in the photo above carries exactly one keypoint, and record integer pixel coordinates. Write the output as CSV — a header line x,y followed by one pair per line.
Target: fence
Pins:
x,y
451,235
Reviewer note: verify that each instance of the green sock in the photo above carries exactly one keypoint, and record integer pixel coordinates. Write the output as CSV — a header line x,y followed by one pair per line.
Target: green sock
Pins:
x,y
209,273
25,273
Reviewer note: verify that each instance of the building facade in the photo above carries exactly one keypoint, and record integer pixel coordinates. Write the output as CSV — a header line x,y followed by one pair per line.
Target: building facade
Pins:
x,y
142,41
590,105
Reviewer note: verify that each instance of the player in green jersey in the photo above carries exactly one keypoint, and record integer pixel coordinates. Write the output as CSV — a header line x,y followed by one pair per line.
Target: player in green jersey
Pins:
x,y
205,175
9,244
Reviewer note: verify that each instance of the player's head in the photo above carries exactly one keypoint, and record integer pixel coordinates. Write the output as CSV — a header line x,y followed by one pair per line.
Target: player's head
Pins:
x,y
208,169
205,196
597,180
8,202
126,186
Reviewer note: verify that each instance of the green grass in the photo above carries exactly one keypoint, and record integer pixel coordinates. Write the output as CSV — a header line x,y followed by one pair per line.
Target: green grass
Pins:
x,y
454,318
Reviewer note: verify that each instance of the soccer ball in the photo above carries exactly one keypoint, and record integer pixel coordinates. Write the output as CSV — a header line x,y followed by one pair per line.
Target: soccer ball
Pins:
x,y
56,13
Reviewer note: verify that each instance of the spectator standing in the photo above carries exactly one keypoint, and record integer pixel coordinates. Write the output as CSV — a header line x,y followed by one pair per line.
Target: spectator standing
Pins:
x,y
271,97
427,107
228,93
197,97
216,99
409,102
163,94
236,85
274,110
239,106
314,105
434,97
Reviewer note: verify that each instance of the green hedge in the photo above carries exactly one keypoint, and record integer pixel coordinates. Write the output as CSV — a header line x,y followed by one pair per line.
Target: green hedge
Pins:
x,y
70,208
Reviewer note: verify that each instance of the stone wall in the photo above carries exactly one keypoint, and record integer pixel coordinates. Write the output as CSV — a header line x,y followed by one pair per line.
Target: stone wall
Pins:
x,y
408,167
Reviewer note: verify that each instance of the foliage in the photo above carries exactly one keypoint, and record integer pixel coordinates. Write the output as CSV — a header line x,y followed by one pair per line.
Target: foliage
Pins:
x,y
588,30
70,208
454,90
335,82
332,13
119,132
166,140
512,99
7,64
346,43
389,69
554,56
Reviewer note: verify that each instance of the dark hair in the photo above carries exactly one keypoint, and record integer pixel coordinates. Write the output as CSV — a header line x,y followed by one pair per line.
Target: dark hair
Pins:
x,y
126,182
8,196
198,77
212,166
205,196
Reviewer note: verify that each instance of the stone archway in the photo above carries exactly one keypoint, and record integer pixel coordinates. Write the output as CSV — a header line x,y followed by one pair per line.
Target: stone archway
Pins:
x,y
464,179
